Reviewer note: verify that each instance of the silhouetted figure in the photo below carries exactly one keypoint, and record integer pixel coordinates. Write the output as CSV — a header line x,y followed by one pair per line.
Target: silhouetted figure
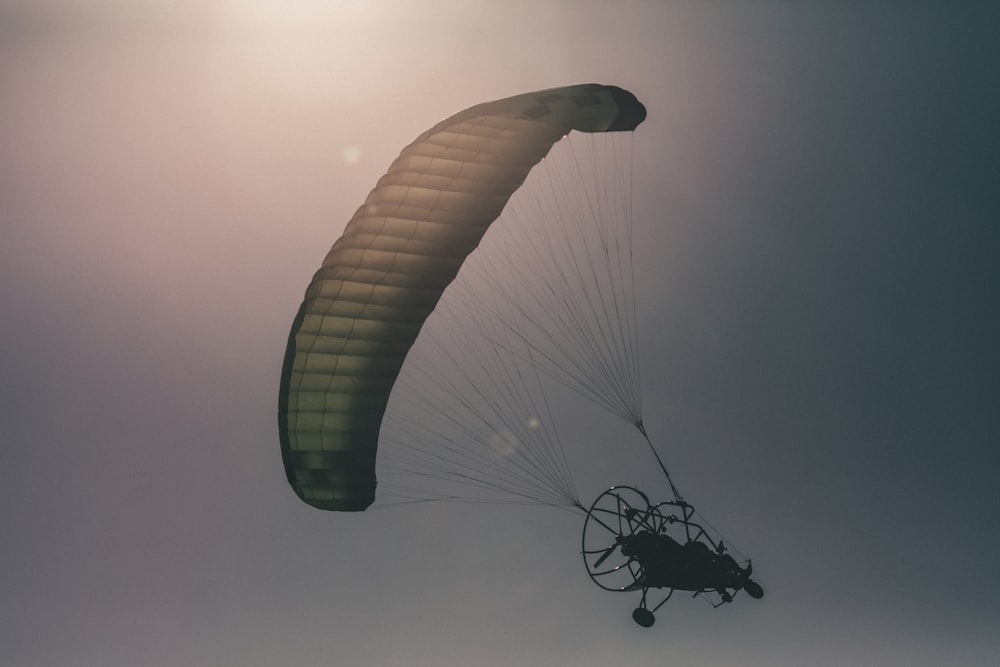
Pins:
x,y
693,566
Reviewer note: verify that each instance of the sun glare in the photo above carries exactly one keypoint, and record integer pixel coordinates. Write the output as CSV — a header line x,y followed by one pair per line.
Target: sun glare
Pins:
x,y
351,155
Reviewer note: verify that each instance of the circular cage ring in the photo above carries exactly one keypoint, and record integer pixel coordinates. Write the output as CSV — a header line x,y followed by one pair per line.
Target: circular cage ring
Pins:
x,y
616,515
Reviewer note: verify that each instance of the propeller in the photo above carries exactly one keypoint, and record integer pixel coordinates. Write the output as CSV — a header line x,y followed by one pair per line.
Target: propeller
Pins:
x,y
608,552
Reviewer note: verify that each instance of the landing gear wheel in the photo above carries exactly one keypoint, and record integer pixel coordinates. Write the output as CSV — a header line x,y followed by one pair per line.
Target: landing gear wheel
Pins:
x,y
616,515
753,589
643,617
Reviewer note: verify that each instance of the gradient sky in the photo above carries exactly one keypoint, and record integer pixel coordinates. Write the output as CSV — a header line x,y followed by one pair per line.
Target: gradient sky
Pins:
x,y
817,207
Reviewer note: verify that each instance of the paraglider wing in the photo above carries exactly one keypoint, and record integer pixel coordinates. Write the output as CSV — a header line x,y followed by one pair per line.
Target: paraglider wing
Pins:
x,y
365,306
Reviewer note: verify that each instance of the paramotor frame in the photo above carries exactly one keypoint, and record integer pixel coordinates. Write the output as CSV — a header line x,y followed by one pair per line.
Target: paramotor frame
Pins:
x,y
631,544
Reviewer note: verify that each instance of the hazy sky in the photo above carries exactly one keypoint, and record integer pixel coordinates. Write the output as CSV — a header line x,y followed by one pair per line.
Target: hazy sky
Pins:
x,y
817,214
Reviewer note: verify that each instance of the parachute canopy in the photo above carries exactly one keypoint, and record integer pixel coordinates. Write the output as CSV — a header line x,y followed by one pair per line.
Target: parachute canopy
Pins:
x,y
367,303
